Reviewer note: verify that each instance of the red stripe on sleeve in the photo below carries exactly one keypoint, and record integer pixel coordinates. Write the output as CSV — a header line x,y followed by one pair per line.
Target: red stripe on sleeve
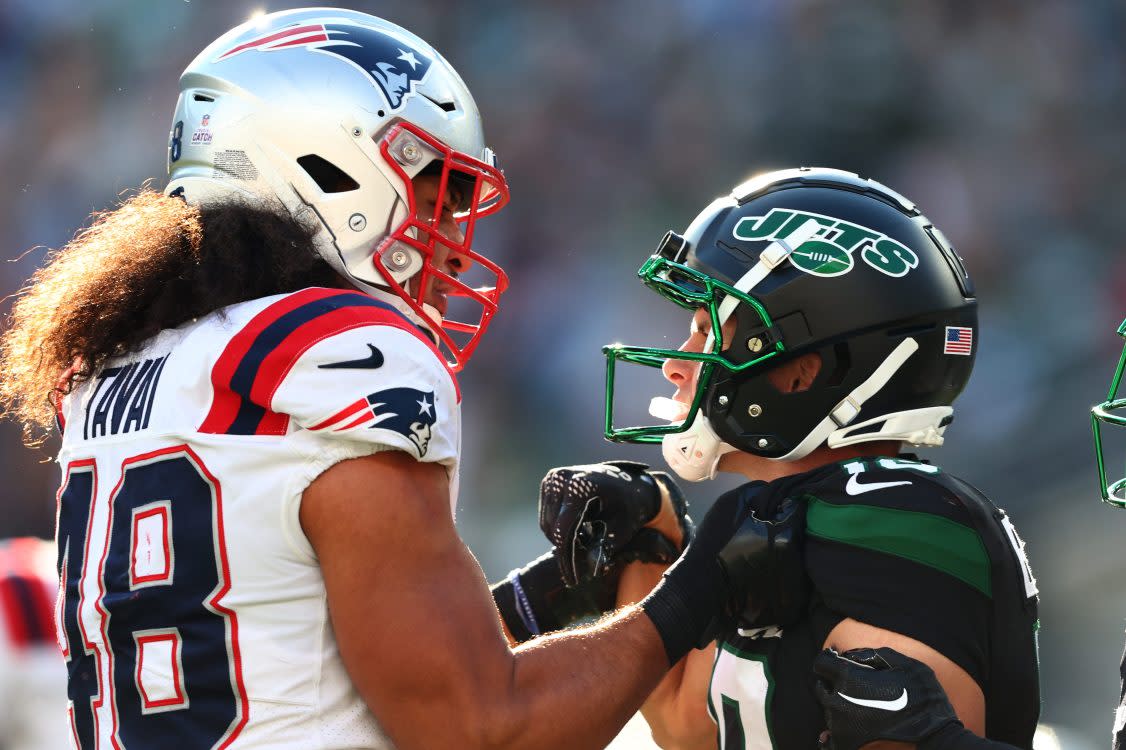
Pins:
x,y
225,402
280,361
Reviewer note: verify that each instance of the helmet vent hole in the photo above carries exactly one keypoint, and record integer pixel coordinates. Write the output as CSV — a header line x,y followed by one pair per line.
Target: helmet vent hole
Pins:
x,y
329,177
203,98
444,106
843,364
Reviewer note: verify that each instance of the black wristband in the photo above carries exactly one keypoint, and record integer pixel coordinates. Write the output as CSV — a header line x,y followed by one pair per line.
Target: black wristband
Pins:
x,y
683,606
508,602
533,600
957,737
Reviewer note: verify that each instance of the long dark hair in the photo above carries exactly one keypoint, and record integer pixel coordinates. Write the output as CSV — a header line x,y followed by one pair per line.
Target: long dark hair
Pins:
x,y
152,263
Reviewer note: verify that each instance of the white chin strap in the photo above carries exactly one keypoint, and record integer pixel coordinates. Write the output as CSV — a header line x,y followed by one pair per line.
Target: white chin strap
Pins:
x,y
915,426
834,427
695,453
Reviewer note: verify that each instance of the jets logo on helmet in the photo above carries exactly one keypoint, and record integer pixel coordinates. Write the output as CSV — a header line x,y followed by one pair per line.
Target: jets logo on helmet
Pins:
x,y
830,252
393,65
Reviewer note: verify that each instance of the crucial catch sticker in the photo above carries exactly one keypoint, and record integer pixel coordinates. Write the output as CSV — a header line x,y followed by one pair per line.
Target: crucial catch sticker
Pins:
x,y
830,251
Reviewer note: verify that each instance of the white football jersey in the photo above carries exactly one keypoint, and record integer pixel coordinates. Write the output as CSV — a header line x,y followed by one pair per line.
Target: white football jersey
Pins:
x,y
32,674
194,613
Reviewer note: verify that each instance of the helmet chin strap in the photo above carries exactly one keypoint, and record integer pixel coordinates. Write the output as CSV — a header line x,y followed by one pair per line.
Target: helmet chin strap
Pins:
x,y
847,410
915,426
695,453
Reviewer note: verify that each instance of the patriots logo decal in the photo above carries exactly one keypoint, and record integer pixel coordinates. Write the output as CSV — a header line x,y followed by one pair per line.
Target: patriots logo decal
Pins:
x,y
407,411
393,65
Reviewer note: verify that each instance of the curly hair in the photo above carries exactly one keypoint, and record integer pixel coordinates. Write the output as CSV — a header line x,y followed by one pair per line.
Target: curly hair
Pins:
x,y
152,263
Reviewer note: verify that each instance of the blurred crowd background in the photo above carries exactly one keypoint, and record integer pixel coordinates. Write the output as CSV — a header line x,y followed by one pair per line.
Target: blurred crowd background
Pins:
x,y
615,121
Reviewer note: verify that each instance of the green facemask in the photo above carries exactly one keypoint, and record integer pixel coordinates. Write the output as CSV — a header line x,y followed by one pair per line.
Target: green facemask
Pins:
x,y
1111,412
692,290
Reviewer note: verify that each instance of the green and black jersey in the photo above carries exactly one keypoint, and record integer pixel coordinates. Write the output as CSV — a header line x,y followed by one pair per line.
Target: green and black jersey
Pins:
x,y
899,544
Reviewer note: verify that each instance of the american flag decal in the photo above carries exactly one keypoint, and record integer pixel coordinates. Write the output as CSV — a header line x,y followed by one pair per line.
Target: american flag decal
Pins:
x,y
959,340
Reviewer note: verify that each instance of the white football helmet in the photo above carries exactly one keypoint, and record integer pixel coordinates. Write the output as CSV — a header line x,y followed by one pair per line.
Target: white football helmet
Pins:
x,y
335,112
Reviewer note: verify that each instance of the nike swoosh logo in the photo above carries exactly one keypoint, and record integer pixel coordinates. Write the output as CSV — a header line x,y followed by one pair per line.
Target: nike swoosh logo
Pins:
x,y
896,705
371,362
854,486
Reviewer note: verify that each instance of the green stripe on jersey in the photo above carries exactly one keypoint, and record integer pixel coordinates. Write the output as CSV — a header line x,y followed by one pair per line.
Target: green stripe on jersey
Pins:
x,y
925,538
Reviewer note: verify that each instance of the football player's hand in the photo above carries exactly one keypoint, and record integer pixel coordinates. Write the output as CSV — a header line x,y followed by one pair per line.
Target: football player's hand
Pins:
x,y
600,516
879,694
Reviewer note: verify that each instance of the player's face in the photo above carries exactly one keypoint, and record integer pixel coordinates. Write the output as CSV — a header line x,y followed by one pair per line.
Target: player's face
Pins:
x,y
684,375
427,200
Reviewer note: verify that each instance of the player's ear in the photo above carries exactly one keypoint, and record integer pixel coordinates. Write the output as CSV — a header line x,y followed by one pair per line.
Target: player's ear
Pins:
x,y
796,375
808,366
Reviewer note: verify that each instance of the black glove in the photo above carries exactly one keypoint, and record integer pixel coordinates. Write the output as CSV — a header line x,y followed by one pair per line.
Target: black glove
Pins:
x,y
880,694
594,516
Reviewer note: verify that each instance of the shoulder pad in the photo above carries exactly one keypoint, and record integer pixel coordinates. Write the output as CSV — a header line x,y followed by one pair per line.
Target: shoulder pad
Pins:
x,y
334,362
898,508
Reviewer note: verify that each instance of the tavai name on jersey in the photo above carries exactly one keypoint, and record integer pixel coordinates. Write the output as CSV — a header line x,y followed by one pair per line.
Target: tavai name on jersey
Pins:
x,y
123,398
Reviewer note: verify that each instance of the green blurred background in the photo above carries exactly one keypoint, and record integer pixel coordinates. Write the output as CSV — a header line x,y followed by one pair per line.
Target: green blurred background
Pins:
x,y
617,120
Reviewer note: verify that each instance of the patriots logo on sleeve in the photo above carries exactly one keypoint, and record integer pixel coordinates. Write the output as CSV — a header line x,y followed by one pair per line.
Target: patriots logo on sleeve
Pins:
x,y
407,411
392,64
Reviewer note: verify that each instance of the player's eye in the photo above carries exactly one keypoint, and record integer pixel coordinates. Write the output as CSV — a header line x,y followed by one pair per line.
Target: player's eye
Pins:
x,y
701,325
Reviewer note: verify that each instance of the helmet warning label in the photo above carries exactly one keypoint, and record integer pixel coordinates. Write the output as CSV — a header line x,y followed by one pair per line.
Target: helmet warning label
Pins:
x,y
236,164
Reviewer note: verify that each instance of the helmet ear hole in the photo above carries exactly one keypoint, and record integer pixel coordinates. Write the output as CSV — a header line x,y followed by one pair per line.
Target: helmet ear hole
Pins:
x,y
329,177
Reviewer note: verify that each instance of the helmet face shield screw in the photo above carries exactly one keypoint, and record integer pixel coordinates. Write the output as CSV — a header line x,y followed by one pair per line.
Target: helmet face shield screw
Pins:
x,y
411,152
398,260
763,442
357,222
754,344
722,400
754,410
356,132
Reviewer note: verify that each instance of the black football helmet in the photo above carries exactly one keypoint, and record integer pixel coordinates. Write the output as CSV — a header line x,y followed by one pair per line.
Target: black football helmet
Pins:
x,y
809,260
